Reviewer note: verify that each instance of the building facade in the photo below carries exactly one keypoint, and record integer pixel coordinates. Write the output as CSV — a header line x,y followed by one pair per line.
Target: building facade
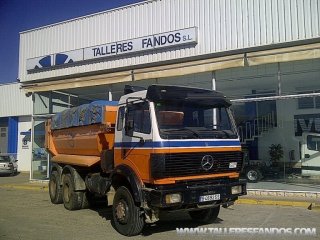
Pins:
x,y
16,124
263,55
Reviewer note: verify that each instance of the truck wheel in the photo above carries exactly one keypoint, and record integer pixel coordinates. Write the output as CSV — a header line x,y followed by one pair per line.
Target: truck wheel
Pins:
x,y
205,215
253,175
128,219
72,200
55,189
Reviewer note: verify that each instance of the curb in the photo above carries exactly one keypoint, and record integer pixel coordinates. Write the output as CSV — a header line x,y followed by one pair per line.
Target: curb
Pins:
x,y
25,187
284,193
273,202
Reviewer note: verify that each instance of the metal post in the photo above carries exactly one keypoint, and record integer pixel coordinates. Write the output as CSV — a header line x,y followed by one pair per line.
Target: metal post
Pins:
x,y
213,80
280,93
32,145
213,87
279,80
284,170
69,101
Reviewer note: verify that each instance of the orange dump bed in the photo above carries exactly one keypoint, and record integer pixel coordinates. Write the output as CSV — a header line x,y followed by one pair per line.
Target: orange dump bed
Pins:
x,y
86,140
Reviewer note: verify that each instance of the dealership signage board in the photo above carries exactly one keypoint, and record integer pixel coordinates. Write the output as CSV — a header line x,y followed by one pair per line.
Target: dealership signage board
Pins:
x,y
166,40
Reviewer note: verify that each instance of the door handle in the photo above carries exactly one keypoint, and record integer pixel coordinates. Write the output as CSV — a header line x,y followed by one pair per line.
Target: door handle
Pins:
x,y
307,156
124,153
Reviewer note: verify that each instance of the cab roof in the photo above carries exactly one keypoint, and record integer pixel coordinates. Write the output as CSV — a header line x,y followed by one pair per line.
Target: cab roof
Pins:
x,y
168,93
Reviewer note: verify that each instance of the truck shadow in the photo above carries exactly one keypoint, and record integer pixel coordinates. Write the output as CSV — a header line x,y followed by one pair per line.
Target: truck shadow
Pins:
x,y
104,212
171,224
168,221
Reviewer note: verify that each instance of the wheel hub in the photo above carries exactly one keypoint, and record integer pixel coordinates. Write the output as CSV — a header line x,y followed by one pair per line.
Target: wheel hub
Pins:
x,y
252,175
121,212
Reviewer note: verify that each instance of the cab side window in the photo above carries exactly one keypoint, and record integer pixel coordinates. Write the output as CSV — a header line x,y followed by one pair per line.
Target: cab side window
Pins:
x,y
120,118
313,143
139,113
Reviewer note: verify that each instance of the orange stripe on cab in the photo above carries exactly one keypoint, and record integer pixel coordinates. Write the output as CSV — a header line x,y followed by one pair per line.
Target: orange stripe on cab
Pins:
x,y
173,180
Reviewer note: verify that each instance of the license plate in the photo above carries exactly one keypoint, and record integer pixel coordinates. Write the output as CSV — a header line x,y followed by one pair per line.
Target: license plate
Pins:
x,y
207,198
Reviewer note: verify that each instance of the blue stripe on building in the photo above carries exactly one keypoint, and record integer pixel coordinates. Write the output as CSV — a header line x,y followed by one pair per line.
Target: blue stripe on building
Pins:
x,y
13,134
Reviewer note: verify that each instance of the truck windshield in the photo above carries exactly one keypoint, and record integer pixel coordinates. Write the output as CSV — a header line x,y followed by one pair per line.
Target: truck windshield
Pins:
x,y
194,121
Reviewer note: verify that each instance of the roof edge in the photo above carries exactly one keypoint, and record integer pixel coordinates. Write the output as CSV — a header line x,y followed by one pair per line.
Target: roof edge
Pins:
x,y
85,16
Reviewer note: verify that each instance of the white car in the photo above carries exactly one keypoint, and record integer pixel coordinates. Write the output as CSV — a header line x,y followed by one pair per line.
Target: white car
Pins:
x,y
8,165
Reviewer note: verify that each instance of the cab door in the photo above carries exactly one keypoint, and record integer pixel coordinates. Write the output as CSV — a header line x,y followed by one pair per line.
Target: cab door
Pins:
x,y
135,139
310,161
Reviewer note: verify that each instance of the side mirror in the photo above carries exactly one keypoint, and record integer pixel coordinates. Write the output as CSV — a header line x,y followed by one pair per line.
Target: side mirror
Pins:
x,y
129,128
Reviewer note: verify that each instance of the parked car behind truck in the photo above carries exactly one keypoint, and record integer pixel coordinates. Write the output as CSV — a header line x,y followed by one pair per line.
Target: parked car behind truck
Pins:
x,y
161,149
8,165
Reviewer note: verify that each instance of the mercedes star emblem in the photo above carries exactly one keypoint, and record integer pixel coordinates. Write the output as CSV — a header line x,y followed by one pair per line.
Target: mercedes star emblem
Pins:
x,y
207,162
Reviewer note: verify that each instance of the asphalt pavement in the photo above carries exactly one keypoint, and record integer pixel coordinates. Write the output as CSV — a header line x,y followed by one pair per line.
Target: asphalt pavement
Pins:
x,y
27,213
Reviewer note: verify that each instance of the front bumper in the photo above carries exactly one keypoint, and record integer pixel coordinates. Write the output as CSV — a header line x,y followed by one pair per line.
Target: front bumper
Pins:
x,y
6,171
191,193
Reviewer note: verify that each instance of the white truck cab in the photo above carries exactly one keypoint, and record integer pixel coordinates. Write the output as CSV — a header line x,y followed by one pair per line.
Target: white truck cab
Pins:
x,y
310,151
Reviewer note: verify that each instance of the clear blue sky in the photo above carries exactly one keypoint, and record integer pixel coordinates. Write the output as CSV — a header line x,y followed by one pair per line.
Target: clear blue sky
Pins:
x,y
20,15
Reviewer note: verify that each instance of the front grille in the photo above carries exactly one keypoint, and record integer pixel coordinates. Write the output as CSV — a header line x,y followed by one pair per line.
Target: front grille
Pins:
x,y
187,164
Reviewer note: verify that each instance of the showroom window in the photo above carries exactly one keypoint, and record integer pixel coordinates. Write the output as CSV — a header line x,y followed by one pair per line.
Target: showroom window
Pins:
x,y
275,105
309,102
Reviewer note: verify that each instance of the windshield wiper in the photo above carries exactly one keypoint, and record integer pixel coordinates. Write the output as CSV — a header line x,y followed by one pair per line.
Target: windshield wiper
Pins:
x,y
226,133
183,129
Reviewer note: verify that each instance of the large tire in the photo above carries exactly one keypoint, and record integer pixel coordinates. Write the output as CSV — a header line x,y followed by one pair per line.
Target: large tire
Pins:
x,y
128,219
72,200
253,175
55,189
205,215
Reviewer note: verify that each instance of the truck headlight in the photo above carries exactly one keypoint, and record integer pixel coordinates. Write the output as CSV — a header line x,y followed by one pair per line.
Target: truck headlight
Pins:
x,y
173,198
236,189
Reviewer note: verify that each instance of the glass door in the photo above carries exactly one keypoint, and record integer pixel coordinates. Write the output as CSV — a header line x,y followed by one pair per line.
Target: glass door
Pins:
x,y
40,157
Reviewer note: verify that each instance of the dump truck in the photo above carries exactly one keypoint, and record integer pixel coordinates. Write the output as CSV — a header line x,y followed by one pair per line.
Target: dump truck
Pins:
x,y
165,148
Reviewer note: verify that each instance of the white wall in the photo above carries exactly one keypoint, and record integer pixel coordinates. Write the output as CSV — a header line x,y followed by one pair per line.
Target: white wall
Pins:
x,y
24,151
223,25
13,101
282,134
